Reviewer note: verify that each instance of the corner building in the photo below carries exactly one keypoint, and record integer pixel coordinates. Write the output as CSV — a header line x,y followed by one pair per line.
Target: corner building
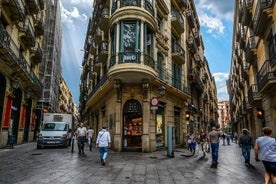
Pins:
x,y
252,79
143,70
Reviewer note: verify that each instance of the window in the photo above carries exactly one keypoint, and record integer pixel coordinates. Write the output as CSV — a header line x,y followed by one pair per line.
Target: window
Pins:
x,y
160,23
160,66
130,41
271,46
176,75
148,41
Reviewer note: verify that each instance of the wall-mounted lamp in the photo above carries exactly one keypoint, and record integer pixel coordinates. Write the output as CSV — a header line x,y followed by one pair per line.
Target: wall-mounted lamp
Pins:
x,y
162,91
145,85
15,84
28,95
117,86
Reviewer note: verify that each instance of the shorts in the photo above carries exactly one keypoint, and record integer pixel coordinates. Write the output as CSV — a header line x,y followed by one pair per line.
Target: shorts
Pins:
x,y
270,167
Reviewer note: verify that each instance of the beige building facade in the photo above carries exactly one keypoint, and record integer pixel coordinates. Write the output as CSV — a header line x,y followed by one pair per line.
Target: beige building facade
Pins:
x,y
21,35
252,80
144,70
224,116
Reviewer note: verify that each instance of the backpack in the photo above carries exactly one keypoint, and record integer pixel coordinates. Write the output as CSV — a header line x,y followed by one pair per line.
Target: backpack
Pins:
x,y
246,140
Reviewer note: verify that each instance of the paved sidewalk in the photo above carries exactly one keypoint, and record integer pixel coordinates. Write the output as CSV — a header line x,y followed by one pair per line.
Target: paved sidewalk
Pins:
x,y
25,164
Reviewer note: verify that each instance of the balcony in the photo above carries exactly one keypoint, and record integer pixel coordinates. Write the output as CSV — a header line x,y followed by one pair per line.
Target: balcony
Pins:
x,y
250,52
27,35
191,44
204,77
247,107
177,22
198,60
247,12
242,39
195,81
103,51
131,67
191,18
98,36
262,16
104,20
11,53
33,6
93,48
178,53
15,9
266,78
183,4
197,39
37,55
240,11
96,65
272,51
254,96
39,26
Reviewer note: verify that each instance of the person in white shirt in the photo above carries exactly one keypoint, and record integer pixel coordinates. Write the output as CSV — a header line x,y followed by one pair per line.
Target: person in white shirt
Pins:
x,y
90,133
81,136
103,142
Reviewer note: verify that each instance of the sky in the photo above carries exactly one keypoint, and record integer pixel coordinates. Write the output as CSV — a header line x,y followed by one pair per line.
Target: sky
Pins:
x,y
216,27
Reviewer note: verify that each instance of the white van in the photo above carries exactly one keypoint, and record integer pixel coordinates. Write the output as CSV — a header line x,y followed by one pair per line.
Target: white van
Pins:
x,y
54,134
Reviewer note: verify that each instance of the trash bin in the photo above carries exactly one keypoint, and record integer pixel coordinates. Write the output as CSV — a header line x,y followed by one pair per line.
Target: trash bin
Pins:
x,y
11,140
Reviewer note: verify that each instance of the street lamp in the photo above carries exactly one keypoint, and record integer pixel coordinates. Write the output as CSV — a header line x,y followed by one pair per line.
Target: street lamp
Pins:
x,y
15,84
162,91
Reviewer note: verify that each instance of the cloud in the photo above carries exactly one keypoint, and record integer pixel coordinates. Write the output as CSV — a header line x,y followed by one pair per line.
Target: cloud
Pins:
x,y
213,13
220,79
213,24
68,16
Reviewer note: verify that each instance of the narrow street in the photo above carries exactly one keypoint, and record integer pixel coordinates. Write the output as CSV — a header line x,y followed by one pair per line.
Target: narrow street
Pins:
x,y
26,164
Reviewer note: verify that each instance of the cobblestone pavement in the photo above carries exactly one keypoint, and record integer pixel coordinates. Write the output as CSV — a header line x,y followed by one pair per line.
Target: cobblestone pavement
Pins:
x,y
25,164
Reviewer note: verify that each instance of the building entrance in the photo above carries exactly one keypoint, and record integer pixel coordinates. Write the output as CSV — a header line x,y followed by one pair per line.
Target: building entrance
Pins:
x,y
132,126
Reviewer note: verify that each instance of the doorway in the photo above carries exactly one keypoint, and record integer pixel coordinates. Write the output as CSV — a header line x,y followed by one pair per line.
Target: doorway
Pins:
x,y
132,126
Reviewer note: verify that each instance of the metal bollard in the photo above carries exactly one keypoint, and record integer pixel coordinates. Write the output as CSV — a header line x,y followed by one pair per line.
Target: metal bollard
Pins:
x,y
72,144
170,152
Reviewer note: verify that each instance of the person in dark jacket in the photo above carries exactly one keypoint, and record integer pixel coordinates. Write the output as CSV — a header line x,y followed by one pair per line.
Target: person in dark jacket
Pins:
x,y
246,143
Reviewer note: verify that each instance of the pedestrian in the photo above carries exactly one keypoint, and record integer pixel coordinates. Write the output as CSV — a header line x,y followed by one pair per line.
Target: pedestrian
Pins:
x,y
213,139
202,138
228,137
265,147
81,136
103,143
90,133
191,142
223,138
246,143
236,137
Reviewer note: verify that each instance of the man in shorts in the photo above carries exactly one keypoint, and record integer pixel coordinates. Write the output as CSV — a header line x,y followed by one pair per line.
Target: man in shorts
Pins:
x,y
265,147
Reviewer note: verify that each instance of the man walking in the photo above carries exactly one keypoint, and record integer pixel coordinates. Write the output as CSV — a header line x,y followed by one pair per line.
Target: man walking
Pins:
x,y
90,133
265,147
246,143
103,142
213,138
81,136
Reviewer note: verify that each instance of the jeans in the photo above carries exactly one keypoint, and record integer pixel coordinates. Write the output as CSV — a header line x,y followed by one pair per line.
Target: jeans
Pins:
x,y
215,149
103,152
246,152
81,140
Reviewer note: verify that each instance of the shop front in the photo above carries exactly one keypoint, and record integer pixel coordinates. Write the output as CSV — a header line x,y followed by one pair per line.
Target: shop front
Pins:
x,y
132,126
